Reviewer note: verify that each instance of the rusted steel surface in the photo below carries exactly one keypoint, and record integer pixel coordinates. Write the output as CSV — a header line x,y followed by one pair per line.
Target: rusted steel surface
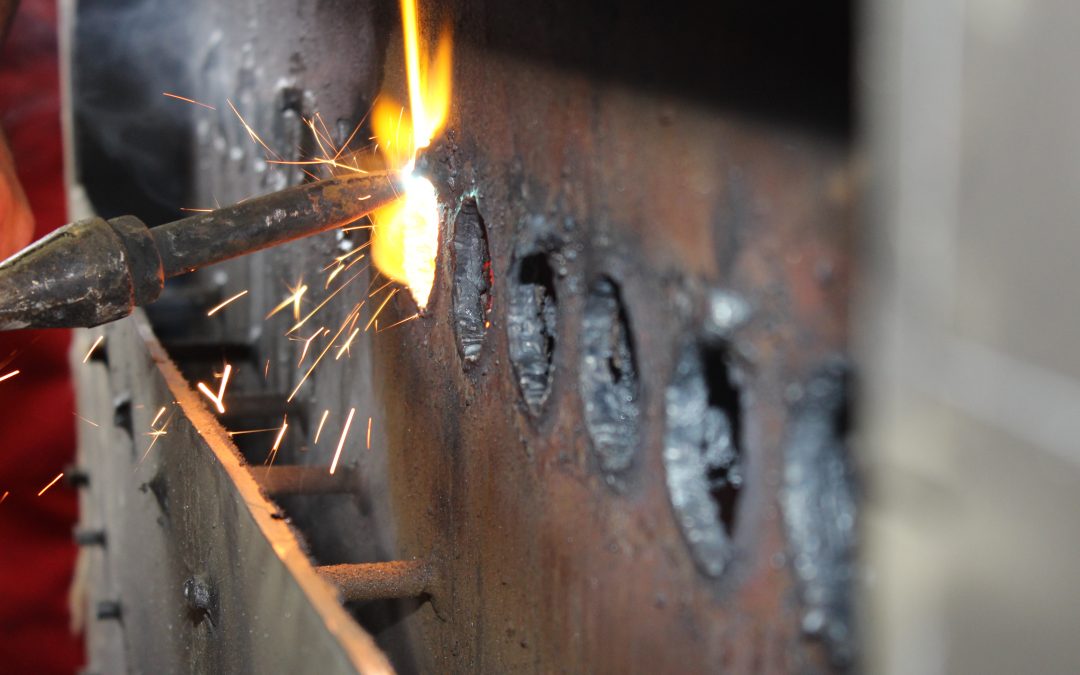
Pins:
x,y
190,571
570,564
361,582
580,546
592,444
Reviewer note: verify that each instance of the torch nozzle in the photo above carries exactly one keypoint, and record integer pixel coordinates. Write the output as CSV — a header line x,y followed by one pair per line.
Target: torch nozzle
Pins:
x,y
94,271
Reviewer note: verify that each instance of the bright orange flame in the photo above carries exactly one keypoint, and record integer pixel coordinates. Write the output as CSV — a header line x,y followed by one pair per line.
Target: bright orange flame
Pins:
x,y
405,234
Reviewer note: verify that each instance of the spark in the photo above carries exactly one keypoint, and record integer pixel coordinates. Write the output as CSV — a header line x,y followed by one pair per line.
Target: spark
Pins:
x,y
251,132
348,341
356,317
8,376
6,493
398,323
346,256
266,370
223,304
317,162
54,480
217,398
323,303
251,431
323,353
90,422
319,138
11,357
322,421
210,395
307,344
380,309
374,280
341,443
292,299
360,259
332,275
192,209
355,129
380,289
93,347
357,227
155,434
160,412
369,433
189,100
277,442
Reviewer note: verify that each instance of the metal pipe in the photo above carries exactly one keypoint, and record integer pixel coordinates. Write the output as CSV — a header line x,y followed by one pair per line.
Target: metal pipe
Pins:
x,y
95,271
266,221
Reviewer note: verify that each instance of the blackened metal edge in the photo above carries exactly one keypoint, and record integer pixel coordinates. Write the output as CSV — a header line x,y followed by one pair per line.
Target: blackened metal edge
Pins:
x,y
819,507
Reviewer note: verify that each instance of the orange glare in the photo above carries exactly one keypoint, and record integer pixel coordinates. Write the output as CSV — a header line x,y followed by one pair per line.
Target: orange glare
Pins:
x,y
405,234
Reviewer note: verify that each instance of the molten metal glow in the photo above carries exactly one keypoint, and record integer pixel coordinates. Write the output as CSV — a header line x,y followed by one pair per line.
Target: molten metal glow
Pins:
x,y
406,238
405,234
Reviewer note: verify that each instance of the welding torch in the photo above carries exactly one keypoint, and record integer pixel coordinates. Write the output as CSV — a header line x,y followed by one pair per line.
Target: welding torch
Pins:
x,y
94,271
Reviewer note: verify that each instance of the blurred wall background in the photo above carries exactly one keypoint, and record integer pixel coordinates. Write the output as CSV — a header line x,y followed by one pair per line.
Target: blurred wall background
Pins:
x,y
968,331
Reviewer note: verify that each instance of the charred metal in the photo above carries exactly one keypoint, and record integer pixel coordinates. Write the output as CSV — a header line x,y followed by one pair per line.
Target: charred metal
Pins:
x,y
818,501
532,324
472,290
702,453
609,380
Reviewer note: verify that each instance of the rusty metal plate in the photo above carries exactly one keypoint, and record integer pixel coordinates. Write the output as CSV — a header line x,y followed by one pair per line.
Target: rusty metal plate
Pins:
x,y
192,569
591,444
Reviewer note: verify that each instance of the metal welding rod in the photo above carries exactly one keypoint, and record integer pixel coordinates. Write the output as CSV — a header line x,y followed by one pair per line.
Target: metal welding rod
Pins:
x,y
94,271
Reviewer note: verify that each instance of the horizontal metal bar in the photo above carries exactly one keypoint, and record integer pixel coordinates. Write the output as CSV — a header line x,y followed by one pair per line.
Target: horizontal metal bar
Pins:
x,y
267,406
306,480
380,581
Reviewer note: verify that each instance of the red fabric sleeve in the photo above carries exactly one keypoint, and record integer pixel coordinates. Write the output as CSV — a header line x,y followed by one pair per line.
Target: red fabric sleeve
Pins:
x,y
37,421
